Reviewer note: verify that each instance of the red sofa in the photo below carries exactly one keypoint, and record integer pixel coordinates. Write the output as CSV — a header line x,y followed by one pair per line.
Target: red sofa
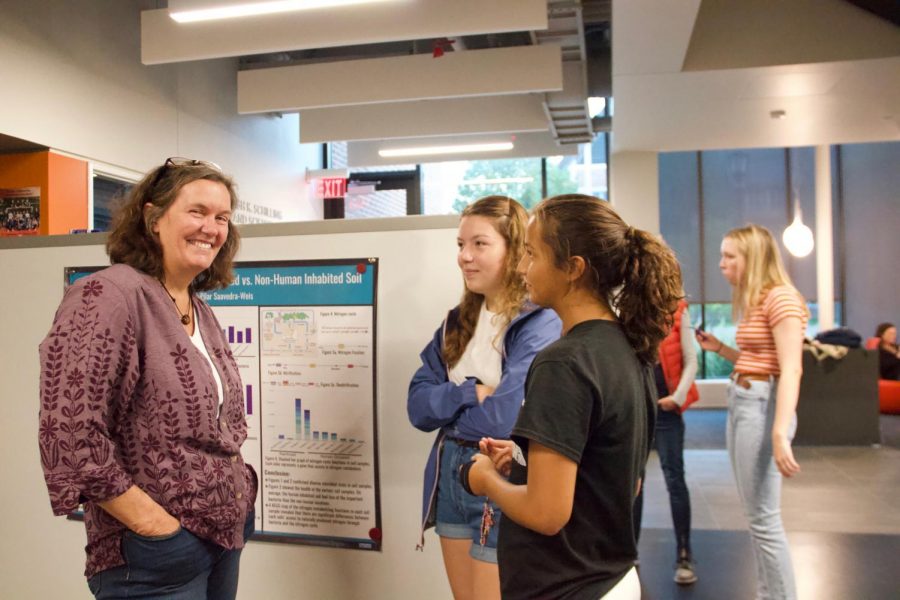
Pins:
x,y
888,390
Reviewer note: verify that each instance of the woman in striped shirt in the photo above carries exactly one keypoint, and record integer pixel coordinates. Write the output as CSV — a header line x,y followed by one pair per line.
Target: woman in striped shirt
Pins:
x,y
762,395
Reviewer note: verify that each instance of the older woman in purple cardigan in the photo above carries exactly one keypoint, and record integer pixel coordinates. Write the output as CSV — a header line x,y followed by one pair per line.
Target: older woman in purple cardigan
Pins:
x,y
142,418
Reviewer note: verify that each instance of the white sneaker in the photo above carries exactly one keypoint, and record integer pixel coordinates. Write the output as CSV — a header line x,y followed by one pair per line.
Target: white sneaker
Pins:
x,y
684,572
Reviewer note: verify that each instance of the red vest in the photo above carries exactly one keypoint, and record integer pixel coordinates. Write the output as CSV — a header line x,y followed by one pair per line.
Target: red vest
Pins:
x,y
672,360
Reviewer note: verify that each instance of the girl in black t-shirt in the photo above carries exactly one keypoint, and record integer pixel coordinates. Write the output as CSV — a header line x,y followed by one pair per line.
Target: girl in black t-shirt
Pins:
x,y
583,432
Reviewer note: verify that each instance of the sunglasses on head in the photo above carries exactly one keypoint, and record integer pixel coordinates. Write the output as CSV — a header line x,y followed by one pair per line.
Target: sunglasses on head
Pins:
x,y
180,161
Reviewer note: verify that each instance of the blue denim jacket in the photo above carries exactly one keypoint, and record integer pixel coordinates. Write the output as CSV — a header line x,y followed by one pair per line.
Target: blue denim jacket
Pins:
x,y
434,402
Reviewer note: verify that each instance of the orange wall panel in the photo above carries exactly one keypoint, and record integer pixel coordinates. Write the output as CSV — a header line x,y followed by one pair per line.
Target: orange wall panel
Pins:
x,y
63,182
68,194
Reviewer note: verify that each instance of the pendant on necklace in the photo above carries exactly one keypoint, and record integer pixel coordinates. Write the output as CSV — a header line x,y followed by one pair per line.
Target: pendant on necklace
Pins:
x,y
185,320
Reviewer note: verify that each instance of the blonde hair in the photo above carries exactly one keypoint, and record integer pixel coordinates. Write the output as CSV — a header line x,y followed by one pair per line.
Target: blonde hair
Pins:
x,y
763,268
510,220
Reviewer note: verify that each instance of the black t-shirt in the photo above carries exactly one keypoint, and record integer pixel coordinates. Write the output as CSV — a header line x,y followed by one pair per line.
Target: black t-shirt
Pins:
x,y
588,397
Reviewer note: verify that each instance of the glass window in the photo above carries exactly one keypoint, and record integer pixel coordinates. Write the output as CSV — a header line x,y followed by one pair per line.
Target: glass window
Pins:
x,y
448,187
584,173
739,187
366,203
717,321
107,193
870,180
679,215
337,155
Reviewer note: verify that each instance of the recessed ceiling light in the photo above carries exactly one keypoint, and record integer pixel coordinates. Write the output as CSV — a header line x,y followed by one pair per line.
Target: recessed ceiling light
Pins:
x,y
456,149
778,114
247,9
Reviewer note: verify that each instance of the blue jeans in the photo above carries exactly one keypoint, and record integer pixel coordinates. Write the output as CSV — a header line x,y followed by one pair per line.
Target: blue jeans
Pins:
x,y
669,443
179,566
459,512
751,413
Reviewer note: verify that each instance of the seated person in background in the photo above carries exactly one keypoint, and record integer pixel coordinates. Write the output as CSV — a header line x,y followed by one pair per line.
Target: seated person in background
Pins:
x,y
888,351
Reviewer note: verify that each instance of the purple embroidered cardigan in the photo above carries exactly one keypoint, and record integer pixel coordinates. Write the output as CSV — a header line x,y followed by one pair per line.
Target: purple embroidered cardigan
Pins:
x,y
127,399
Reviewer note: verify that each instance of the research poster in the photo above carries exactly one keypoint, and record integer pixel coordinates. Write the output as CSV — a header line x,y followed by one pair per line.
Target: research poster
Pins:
x,y
303,336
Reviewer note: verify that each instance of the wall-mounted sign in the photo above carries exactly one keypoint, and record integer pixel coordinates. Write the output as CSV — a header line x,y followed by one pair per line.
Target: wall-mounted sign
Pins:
x,y
331,187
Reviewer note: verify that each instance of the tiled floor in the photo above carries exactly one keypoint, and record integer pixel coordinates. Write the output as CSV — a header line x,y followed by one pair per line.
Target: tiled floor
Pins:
x,y
842,514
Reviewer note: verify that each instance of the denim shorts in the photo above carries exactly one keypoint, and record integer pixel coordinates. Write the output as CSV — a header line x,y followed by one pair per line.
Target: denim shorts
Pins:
x,y
459,512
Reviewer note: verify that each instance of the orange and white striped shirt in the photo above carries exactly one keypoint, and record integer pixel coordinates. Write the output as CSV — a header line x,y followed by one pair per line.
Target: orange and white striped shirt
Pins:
x,y
754,333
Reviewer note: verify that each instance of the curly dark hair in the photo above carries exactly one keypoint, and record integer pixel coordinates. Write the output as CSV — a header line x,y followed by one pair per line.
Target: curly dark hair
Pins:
x,y
132,241
631,270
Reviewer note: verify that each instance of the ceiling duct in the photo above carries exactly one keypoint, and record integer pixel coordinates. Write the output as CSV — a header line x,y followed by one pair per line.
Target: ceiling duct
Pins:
x,y
567,111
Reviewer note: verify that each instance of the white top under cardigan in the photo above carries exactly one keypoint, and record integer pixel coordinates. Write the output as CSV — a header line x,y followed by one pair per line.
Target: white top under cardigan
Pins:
x,y
483,356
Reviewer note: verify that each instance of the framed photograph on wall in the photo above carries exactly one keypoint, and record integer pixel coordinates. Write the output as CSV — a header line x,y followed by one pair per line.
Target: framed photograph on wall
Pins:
x,y
20,211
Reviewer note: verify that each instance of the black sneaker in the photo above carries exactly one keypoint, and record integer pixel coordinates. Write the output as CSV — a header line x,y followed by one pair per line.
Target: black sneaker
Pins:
x,y
684,571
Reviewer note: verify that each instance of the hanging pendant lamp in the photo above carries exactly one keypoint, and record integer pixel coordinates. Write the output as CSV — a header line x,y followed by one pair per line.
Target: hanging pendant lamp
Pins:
x,y
797,237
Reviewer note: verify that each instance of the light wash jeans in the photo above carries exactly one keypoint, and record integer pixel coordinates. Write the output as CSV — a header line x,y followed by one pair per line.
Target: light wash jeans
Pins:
x,y
751,413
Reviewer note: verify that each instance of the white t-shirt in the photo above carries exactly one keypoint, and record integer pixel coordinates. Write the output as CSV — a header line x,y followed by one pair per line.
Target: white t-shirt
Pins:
x,y
483,356
197,340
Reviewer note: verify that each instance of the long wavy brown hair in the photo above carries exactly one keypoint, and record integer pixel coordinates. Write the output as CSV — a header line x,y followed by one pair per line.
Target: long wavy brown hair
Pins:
x,y
510,220
132,241
629,269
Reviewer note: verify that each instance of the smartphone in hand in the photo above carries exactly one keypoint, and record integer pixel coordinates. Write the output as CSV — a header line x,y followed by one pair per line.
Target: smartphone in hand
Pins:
x,y
699,331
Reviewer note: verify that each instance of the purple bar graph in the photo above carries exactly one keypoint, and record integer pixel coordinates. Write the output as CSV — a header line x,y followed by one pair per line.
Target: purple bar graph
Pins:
x,y
249,399
243,337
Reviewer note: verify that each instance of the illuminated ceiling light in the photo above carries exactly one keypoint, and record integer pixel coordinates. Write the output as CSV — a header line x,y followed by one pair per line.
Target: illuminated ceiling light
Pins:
x,y
596,105
497,181
457,149
797,237
234,11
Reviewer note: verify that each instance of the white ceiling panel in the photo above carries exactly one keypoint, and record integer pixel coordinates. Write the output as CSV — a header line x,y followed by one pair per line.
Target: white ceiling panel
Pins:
x,y
660,106
365,154
489,114
712,109
165,41
494,71
653,36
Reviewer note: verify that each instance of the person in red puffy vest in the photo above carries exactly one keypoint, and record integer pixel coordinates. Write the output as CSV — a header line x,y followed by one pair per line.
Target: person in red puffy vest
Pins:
x,y
674,375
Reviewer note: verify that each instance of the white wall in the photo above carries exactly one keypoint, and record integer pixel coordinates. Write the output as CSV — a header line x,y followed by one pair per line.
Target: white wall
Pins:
x,y
634,188
43,556
73,81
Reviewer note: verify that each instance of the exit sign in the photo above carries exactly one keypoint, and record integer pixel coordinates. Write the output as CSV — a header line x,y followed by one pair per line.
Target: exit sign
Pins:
x,y
332,187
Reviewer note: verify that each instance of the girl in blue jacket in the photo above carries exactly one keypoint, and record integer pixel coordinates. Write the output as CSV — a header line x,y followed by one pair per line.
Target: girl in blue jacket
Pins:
x,y
471,385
